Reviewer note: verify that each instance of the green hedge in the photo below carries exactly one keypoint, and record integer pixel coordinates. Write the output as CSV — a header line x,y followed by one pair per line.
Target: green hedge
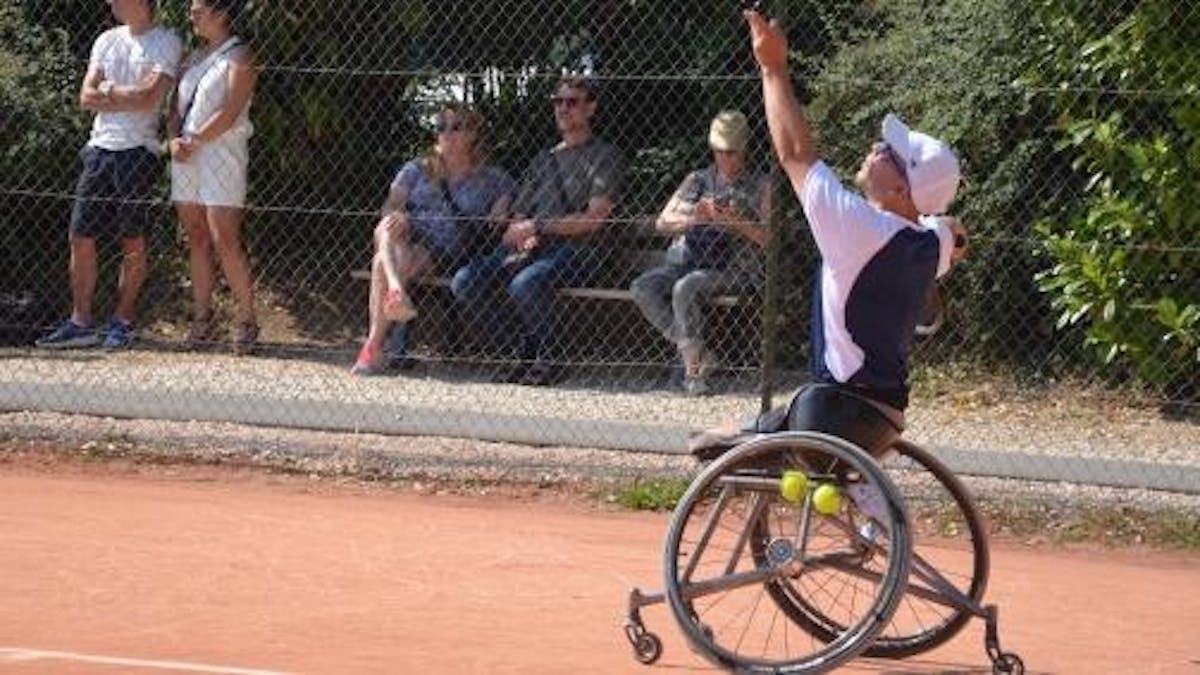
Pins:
x,y
1125,270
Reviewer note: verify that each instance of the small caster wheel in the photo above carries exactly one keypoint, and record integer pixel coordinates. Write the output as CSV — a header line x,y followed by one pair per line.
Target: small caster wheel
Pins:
x,y
647,648
1008,663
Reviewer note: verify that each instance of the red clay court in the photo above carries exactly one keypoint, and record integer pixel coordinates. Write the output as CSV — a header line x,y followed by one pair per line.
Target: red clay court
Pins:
x,y
113,569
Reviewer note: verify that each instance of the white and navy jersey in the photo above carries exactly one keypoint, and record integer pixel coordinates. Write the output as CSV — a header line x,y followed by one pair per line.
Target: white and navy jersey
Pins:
x,y
876,268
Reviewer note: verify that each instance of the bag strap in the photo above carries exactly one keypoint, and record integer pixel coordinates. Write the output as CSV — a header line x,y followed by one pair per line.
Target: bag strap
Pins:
x,y
448,197
207,63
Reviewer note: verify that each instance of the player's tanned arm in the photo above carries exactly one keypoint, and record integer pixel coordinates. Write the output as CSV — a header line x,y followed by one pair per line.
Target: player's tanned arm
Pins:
x,y
790,134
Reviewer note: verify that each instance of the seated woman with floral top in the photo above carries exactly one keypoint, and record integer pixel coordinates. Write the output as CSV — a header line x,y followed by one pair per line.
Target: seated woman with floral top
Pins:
x,y
437,209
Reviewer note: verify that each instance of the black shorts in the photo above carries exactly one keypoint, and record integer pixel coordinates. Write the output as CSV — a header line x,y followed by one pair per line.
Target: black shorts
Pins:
x,y
825,408
115,193
837,411
834,410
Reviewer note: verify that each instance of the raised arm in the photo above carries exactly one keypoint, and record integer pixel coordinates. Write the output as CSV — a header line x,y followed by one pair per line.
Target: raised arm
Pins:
x,y
791,135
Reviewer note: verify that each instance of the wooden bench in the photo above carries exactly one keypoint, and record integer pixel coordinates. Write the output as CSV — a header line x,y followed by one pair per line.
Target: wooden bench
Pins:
x,y
626,339
645,259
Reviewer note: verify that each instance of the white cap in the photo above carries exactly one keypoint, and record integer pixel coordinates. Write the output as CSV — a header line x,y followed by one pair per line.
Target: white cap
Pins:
x,y
929,164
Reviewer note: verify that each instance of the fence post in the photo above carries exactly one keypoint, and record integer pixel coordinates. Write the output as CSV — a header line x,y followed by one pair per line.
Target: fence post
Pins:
x,y
770,344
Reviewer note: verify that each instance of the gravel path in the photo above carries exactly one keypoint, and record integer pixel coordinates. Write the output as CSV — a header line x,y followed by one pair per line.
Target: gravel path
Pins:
x,y
432,463
1059,431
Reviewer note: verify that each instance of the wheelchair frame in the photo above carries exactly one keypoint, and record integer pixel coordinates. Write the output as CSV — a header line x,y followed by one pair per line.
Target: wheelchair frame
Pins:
x,y
755,468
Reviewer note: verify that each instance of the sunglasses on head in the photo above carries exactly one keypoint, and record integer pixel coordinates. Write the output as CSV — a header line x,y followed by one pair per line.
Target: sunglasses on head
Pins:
x,y
567,101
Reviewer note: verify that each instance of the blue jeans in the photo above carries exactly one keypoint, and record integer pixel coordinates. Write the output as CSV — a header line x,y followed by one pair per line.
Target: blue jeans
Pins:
x,y
529,288
397,342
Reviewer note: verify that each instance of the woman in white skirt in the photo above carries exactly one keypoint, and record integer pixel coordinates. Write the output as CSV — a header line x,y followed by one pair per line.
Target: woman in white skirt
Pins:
x,y
210,128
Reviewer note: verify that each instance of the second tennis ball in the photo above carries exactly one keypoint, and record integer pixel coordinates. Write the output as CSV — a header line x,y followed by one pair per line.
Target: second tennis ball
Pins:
x,y
827,499
793,485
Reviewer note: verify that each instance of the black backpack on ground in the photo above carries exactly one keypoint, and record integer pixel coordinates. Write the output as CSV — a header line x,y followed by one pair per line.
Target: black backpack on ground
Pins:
x,y
24,316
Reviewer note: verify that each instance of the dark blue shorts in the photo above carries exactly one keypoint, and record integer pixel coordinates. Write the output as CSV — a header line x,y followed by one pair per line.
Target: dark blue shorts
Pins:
x,y
115,193
445,259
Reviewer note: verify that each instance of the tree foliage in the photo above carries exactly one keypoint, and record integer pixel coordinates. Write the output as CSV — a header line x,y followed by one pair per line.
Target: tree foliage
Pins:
x,y
39,119
1128,120
1077,124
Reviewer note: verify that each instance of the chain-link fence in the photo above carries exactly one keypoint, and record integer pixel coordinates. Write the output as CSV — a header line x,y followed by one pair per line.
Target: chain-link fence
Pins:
x,y
1076,124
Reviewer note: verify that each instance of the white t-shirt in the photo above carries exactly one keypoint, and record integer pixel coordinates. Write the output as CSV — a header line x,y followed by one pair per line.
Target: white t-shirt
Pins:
x,y
128,59
875,270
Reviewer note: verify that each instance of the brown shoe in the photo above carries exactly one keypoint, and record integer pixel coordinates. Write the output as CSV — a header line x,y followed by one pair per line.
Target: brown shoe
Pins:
x,y
246,338
199,333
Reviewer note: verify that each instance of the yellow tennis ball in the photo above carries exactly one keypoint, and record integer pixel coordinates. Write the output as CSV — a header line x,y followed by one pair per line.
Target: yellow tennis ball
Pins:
x,y
827,499
792,486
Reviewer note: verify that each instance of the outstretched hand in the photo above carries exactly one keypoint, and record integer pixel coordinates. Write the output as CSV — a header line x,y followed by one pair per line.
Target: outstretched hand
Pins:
x,y
768,41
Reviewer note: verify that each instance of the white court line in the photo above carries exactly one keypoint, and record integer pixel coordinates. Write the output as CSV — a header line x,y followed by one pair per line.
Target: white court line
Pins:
x,y
15,654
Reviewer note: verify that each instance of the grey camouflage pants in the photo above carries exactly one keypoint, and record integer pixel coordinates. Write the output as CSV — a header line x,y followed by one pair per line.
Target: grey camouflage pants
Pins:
x,y
670,297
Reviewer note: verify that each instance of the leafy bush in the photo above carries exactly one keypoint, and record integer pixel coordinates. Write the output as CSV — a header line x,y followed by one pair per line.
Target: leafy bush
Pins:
x,y
40,125
1125,268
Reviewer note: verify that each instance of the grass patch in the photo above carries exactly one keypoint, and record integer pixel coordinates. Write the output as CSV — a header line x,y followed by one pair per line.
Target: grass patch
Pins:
x,y
1110,525
1034,521
660,494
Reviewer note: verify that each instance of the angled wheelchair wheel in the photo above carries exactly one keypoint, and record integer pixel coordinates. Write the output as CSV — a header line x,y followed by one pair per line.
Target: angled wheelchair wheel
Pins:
x,y
777,512
951,563
949,570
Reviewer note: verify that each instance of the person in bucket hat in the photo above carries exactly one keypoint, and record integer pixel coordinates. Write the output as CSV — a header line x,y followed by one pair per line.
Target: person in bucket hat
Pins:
x,y
717,220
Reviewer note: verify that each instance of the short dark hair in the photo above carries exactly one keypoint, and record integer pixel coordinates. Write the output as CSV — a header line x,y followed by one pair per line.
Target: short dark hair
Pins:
x,y
580,83
231,8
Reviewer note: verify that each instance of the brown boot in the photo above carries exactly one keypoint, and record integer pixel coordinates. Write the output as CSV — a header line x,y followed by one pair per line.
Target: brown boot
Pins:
x,y
245,340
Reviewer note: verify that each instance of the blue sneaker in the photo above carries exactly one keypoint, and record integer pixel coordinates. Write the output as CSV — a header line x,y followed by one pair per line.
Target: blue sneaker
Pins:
x,y
118,335
69,335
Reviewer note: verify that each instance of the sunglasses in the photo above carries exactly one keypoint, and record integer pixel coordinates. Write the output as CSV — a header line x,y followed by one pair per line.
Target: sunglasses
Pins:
x,y
887,151
568,102
443,127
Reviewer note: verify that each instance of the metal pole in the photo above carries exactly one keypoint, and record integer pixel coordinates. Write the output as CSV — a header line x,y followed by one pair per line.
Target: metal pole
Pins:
x,y
770,310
